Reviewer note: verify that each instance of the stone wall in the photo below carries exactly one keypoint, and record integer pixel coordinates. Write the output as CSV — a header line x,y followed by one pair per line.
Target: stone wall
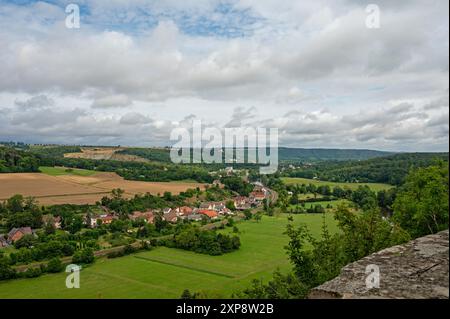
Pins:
x,y
416,270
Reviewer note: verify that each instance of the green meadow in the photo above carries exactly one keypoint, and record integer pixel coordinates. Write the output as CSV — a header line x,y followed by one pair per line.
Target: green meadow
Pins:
x,y
58,171
165,273
299,181
333,204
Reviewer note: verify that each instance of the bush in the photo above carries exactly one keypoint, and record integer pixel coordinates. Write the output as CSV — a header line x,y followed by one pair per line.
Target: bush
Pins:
x,y
55,265
115,254
83,256
6,271
32,273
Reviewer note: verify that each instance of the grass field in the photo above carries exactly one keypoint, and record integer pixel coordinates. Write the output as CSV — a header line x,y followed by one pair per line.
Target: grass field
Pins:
x,y
165,273
333,203
296,180
58,171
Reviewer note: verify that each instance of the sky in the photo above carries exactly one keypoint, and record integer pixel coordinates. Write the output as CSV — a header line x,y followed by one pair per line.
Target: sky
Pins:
x,y
136,70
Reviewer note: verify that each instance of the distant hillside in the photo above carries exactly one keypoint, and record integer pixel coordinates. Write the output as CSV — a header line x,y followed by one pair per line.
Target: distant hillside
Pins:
x,y
390,169
323,154
291,155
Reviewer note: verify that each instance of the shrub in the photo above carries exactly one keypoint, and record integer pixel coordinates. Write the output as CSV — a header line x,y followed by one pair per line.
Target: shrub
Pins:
x,y
55,265
83,256
32,273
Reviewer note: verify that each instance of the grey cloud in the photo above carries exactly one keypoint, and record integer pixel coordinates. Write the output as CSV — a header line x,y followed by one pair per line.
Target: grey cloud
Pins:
x,y
112,101
38,101
441,102
46,118
240,115
134,118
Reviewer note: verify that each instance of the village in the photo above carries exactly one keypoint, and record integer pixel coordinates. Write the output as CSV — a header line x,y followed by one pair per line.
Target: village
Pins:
x,y
206,212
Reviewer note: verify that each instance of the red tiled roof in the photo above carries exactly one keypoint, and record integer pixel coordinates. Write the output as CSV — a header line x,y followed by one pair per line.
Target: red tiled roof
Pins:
x,y
207,212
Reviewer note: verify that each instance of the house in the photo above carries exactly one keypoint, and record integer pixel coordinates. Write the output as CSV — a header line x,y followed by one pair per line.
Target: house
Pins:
x,y
258,196
209,213
105,219
207,205
225,211
56,221
184,211
167,210
147,216
3,241
171,216
242,202
216,206
17,233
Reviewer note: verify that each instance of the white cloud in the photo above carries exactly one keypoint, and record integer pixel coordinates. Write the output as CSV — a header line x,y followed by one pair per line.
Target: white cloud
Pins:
x,y
143,63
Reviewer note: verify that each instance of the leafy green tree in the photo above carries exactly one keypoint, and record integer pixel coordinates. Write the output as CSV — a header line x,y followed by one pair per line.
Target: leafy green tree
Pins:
x,y
15,204
421,206
364,197
6,271
230,205
26,241
248,214
280,287
237,185
117,193
74,224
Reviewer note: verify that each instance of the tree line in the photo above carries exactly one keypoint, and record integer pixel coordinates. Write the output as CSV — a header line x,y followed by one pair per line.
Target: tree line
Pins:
x,y
390,170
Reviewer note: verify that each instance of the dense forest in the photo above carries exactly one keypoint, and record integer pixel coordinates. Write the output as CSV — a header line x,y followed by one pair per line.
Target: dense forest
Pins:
x,y
296,155
391,169
16,161
289,155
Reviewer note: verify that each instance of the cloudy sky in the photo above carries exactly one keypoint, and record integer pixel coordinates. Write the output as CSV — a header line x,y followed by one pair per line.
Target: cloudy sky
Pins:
x,y
135,70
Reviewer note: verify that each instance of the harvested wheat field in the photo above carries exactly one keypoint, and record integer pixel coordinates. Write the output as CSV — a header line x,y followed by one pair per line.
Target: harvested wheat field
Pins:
x,y
105,153
72,189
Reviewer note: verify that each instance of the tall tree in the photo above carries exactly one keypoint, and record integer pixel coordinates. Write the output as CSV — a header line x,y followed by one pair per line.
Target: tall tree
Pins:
x,y
421,205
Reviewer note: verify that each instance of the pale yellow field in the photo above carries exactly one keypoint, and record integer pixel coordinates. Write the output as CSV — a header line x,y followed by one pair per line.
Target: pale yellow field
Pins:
x,y
71,189
105,153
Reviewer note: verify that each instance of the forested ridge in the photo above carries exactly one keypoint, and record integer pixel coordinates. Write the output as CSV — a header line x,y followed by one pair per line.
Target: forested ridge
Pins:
x,y
390,169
